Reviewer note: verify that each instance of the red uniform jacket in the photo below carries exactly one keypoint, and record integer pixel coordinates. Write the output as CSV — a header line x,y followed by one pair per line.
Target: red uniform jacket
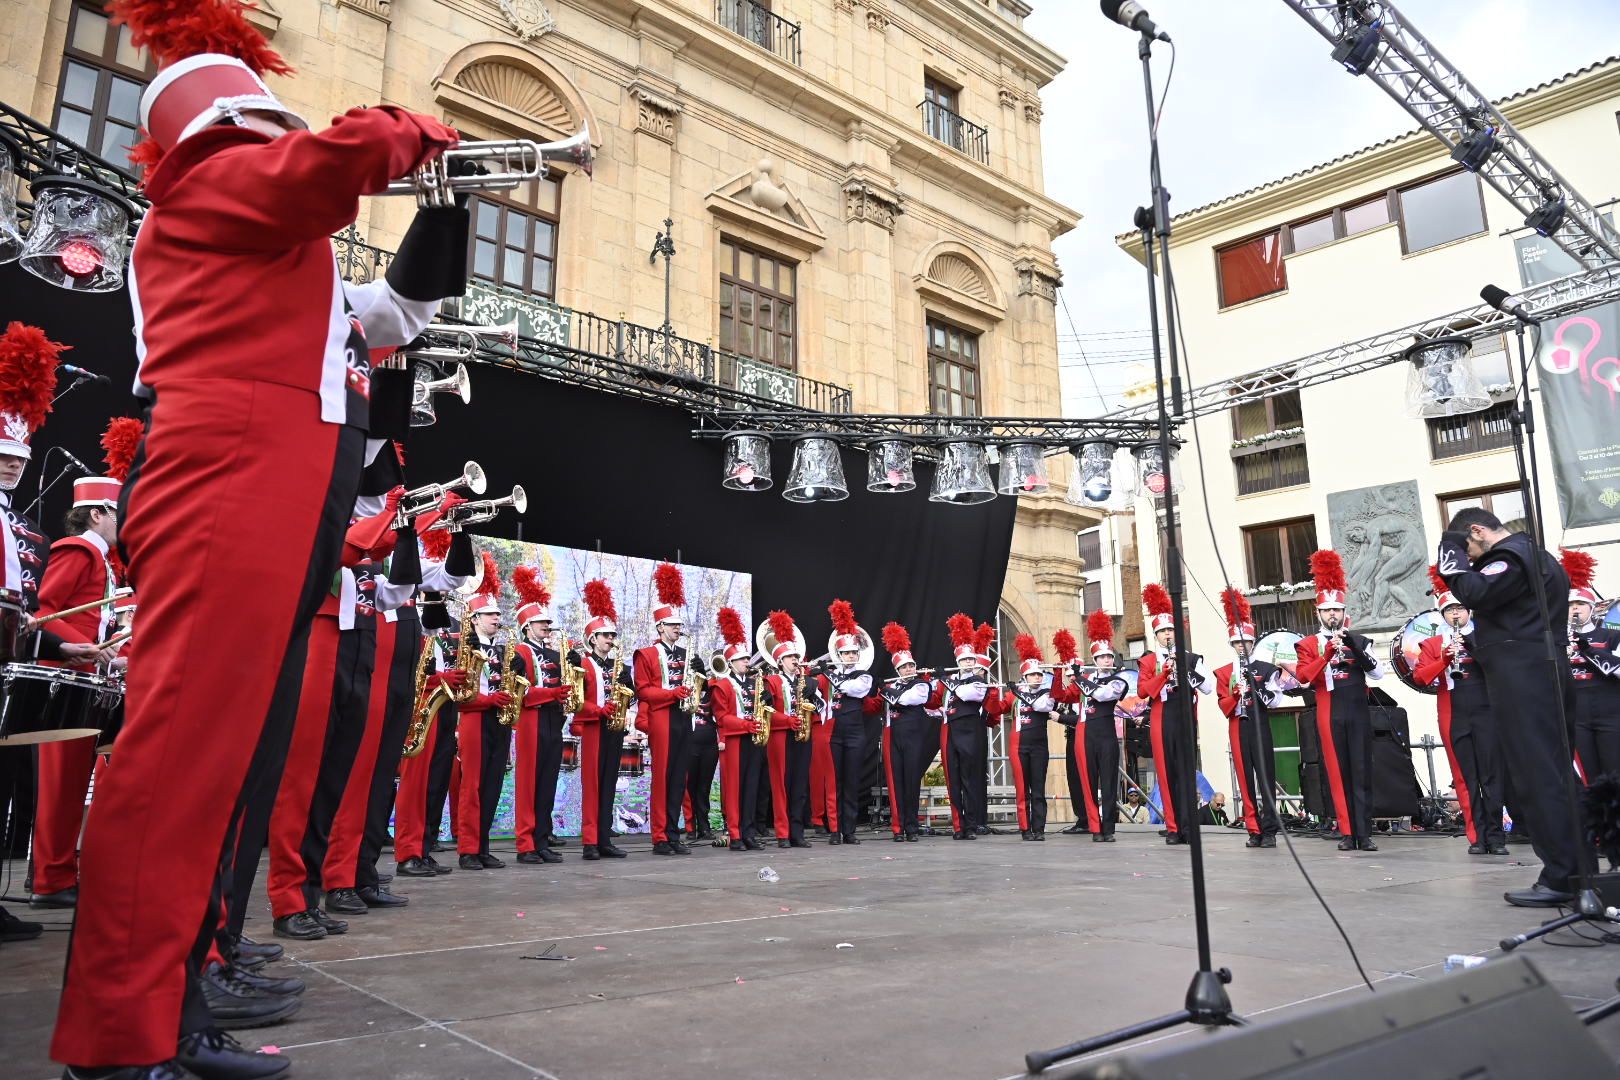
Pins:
x,y
783,718
598,697
76,573
725,702
1223,691
656,699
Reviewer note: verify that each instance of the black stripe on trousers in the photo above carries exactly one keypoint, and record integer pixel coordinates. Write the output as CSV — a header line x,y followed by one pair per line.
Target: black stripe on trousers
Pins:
x,y
396,722
345,731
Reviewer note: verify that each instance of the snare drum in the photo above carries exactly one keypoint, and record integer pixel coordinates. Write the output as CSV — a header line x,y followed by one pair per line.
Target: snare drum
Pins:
x,y
632,761
1404,647
570,754
111,714
51,704
13,617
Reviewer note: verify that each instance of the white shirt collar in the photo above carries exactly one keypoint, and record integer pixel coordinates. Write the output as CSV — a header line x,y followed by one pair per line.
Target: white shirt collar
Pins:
x,y
96,539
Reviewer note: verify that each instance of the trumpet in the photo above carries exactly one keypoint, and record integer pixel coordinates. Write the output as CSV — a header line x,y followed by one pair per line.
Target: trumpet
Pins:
x,y
458,382
498,165
461,515
425,498
444,342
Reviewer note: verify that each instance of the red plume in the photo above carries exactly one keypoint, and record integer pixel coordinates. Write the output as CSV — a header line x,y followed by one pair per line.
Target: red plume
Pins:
x,y
599,600
896,638
530,589
175,29
436,544
1438,583
781,626
491,585
843,617
1064,645
732,630
1236,605
28,372
670,584
1027,647
1581,567
118,445
982,637
961,628
1156,599
1327,570
1099,627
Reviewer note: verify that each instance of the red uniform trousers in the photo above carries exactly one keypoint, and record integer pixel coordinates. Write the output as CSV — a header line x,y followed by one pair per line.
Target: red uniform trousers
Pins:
x,y
349,826
888,779
1088,786
1161,768
823,778
777,758
484,744
64,781
411,803
223,459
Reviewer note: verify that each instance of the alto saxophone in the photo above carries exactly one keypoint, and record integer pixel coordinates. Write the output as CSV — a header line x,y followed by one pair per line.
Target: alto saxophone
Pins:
x,y
763,713
618,717
467,659
512,684
570,677
803,709
424,706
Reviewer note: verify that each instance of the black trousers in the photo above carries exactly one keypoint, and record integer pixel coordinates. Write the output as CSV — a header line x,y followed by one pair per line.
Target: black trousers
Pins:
x,y
677,759
1259,765
702,760
912,750
872,776
969,769
396,722
440,768
1597,732
1352,742
751,766
607,783
798,785
1481,764
1102,762
495,746
1033,757
1181,786
345,730
848,744
547,768
1071,769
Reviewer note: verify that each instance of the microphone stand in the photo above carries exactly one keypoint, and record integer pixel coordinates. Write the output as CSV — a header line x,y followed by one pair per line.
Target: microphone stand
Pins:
x,y
42,487
1207,1003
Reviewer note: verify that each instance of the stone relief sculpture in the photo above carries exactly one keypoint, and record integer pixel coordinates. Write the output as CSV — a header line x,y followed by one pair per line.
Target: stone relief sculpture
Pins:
x,y
1379,532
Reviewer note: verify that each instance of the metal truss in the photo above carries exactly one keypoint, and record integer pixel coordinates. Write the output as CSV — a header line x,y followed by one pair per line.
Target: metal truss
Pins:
x,y
1441,99
1550,300
863,429
42,151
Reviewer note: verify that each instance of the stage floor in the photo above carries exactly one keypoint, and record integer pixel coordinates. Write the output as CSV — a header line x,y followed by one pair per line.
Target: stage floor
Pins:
x,y
964,955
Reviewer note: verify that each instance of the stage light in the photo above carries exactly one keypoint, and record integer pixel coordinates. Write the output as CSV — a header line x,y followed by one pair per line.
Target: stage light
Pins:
x,y
11,241
1152,476
748,461
889,467
1442,380
1357,48
963,476
76,240
1093,484
1023,469
817,474
1475,149
1546,218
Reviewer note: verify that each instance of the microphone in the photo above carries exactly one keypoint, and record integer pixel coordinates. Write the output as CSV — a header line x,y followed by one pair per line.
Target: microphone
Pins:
x,y
87,470
80,373
1498,298
1133,16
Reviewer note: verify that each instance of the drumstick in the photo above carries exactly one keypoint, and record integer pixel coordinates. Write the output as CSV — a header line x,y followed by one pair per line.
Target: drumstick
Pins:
x,y
114,598
114,640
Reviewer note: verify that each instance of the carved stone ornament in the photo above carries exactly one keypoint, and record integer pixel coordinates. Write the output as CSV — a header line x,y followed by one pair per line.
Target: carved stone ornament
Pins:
x,y
877,19
1379,532
376,8
844,5
1008,97
1036,282
863,202
528,19
655,115
1032,110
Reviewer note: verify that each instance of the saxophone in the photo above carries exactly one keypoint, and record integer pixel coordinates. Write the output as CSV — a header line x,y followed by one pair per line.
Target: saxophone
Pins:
x,y
763,713
694,681
511,683
467,659
426,706
618,717
570,677
803,709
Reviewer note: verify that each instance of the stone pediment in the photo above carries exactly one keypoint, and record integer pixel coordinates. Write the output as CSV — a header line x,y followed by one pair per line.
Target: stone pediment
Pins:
x,y
757,201
513,91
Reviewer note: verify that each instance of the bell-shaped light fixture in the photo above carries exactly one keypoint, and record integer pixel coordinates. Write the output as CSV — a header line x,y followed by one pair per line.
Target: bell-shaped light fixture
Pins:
x,y
748,461
817,473
77,238
11,241
1155,476
889,467
1093,483
1442,380
963,476
1023,469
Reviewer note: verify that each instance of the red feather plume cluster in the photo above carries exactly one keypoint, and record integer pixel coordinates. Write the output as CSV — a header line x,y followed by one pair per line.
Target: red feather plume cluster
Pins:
x,y
28,372
842,613
781,624
961,628
175,29
1437,583
1236,606
1065,646
732,630
670,584
1099,627
1327,570
599,600
1581,567
1155,599
896,638
491,585
118,445
436,544
982,637
1027,647
529,588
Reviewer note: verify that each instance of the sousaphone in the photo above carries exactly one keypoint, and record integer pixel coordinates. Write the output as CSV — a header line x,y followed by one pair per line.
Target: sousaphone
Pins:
x,y
766,642
867,651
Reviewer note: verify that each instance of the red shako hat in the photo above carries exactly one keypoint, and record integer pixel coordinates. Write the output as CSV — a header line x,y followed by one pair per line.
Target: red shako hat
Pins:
x,y
897,641
488,597
786,635
599,602
1582,571
534,599
1100,632
1029,653
671,588
1157,602
28,362
733,633
1239,618
1327,570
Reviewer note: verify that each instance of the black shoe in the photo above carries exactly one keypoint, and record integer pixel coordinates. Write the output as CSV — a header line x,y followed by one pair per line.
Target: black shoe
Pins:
x,y
1175,838
834,839
911,837
434,845
285,987
971,834
782,843
589,853
705,834
737,845
67,898
555,841
1366,844
1268,840
1476,849
247,948
663,847
751,844
899,838
470,862
1075,830
437,869
1108,838
957,835
214,1055
233,1004
610,850
1100,838
1538,895
1025,835
680,847
798,842
167,1070
529,858
1164,832
1347,844
1496,849
491,862
1253,841
1332,834
299,926
329,924
1040,836
414,867
15,929
851,838
345,902
384,879
377,896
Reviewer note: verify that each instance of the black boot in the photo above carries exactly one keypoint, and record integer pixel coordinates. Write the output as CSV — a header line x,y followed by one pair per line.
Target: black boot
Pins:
x,y
214,1055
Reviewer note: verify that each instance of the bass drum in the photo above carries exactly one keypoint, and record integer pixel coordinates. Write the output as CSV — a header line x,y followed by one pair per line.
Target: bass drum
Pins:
x,y
1404,646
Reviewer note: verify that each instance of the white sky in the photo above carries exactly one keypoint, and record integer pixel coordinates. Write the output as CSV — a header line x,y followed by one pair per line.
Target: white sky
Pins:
x,y
1255,97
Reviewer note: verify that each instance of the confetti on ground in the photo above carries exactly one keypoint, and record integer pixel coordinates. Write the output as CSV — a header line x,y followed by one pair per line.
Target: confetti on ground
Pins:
x,y
520,914
854,879
269,1049
843,945
600,948
784,909
739,980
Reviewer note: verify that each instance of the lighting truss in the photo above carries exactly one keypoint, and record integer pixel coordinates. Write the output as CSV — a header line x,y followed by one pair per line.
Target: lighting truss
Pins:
x,y
863,429
42,151
1441,99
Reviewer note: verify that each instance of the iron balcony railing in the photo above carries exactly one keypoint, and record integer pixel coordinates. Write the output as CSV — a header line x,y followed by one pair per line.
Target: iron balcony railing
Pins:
x,y
956,131
759,24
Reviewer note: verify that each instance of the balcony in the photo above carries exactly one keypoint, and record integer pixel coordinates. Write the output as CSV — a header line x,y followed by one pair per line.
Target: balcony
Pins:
x,y
1471,433
1276,611
756,22
1271,465
956,131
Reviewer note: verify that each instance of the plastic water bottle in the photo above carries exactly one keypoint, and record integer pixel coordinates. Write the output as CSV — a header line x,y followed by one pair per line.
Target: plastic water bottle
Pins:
x,y
770,876
1462,962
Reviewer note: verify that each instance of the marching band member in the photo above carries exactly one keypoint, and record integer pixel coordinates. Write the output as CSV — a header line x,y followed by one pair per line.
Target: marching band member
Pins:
x,y
787,757
967,726
742,760
1594,662
907,696
1070,714
1162,682
1031,704
851,686
540,727
79,571
702,763
414,831
1246,689
1097,743
1447,662
1336,664
663,713
484,741
601,737
823,781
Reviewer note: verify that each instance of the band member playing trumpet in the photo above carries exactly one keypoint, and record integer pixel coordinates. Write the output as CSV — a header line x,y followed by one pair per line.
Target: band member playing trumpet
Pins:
x,y
1246,690
540,726
660,680
1097,743
600,723
967,747
851,686
1030,703
742,760
1467,724
1336,664
907,696
1160,680
1594,663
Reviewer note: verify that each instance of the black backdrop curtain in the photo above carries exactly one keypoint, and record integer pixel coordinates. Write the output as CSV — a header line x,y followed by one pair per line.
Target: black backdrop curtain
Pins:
x,y
602,468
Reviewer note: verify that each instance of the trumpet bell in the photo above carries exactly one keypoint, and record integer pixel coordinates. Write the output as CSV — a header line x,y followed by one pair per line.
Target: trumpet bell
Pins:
x,y
520,501
458,382
718,667
574,150
766,642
